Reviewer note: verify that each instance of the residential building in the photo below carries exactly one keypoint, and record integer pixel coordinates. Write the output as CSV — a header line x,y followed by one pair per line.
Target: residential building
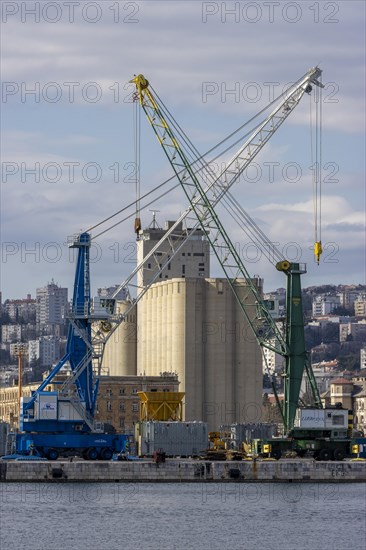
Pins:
x,y
324,373
353,331
323,305
9,375
49,350
347,296
363,358
341,392
21,310
11,333
33,350
359,397
351,393
46,348
360,305
272,361
51,309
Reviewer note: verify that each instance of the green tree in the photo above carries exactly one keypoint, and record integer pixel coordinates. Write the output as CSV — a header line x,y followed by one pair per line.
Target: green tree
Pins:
x,y
330,333
340,310
349,362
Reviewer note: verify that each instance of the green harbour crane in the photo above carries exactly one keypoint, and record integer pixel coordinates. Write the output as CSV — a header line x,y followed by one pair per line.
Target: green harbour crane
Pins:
x,y
291,345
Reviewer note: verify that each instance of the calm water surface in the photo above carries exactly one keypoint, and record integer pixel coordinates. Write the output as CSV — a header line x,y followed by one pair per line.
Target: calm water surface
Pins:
x,y
182,516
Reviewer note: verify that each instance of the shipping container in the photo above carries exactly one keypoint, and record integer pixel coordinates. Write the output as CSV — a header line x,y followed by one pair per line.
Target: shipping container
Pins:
x,y
234,435
174,438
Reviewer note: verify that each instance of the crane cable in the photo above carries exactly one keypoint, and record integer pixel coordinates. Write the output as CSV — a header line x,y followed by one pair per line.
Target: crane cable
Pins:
x,y
199,159
133,203
316,167
231,205
137,147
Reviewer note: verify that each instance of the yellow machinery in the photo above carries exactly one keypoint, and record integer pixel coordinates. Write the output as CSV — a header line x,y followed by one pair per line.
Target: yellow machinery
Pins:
x,y
161,405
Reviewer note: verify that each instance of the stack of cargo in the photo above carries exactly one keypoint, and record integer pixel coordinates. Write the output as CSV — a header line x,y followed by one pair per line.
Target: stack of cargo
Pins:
x,y
234,435
161,427
184,439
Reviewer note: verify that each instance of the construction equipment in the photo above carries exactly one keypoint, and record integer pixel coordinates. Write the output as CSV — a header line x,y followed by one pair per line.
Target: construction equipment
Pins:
x,y
203,202
62,422
324,434
217,448
331,438
291,346
218,188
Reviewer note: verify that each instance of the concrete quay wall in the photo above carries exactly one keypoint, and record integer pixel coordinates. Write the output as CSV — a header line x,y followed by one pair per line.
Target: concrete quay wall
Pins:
x,y
184,471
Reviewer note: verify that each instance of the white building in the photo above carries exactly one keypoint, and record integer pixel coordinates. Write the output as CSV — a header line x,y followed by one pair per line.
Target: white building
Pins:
x,y
357,331
45,348
33,350
363,358
23,309
51,305
323,305
272,361
11,333
49,350
348,296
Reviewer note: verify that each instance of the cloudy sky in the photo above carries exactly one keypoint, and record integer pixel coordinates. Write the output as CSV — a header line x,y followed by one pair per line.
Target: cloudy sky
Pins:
x,y
67,127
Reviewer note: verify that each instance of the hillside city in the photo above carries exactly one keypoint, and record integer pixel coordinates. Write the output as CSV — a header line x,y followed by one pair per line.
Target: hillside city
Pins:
x,y
335,330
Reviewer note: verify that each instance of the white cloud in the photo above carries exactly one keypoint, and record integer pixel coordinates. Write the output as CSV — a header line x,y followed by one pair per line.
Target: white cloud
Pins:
x,y
178,53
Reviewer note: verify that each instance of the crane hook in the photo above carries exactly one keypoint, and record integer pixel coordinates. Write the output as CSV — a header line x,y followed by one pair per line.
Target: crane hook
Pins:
x,y
318,250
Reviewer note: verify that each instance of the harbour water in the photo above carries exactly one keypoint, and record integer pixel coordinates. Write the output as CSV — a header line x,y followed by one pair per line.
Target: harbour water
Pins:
x,y
172,516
